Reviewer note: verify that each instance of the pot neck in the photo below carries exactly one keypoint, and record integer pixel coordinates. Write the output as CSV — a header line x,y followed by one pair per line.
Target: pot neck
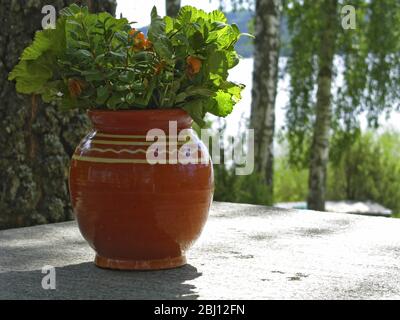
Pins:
x,y
139,121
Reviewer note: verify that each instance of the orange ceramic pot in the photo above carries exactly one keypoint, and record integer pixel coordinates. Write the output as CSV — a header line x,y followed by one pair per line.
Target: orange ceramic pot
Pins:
x,y
134,213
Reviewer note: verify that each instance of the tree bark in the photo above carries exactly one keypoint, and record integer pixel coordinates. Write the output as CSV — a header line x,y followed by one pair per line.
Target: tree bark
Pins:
x,y
100,5
321,135
36,140
172,7
265,82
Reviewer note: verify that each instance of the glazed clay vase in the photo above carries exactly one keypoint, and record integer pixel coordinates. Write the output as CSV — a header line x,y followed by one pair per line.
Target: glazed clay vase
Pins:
x,y
136,214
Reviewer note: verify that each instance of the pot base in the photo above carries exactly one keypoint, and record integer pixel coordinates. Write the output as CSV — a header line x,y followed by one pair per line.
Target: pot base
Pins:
x,y
158,264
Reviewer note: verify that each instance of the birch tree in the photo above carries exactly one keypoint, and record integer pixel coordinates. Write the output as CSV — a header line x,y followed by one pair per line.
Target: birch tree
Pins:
x,y
323,110
319,125
265,82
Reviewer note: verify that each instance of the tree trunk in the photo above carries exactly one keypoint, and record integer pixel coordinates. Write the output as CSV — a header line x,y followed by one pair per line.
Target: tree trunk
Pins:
x,y
265,81
172,7
99,5
36,140
321,136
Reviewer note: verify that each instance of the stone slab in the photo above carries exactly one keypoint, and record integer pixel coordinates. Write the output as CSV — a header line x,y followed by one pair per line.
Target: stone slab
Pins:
x,y
245,252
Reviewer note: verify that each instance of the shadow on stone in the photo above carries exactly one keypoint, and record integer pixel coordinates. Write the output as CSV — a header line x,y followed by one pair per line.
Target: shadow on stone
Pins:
x,y
86,281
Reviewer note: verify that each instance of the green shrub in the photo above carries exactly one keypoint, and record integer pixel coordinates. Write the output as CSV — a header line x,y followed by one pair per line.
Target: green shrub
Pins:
x,y
367,170
290,184
230,187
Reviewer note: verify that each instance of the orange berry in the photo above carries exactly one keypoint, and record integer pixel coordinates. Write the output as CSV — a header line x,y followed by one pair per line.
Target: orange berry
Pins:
x,y
193,65
140,37
147,44
75,87
139,40
159,67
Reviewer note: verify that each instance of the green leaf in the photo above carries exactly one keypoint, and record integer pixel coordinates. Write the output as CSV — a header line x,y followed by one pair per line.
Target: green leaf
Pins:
x,y
225,38
217,15
30,76
74,23
52,40
85,53
143,100
189,14
157,35
72,10
195,108
234,89
217,66
224,104
218,25
102,95
198,90
115,100
181,97
51,89
127,77
120,55
169,24
83,44
41,44
197,41
192,91
244,34
121,36
99,58
232,58
92,75
130,98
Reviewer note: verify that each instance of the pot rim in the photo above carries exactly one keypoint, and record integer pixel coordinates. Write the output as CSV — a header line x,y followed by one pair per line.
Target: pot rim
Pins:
x,y
138,111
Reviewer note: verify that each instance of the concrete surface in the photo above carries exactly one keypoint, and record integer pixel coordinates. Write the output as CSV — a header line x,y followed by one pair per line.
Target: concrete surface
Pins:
x,y
245,252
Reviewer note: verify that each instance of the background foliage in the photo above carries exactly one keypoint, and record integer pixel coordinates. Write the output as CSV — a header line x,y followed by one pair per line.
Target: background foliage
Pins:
x,y
369,170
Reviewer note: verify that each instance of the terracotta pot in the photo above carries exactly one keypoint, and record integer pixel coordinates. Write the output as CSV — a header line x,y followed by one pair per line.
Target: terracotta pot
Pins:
x,y
135,214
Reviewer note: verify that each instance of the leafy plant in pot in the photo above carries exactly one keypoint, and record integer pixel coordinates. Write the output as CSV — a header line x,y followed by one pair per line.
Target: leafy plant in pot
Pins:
x,y
139,203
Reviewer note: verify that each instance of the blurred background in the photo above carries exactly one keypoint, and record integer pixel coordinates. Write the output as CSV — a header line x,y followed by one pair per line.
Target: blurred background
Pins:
x,y
322,95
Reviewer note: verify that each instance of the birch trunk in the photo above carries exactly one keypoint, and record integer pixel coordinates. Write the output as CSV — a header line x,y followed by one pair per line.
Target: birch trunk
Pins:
x,y
36,140
321,136
172,7
265,81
